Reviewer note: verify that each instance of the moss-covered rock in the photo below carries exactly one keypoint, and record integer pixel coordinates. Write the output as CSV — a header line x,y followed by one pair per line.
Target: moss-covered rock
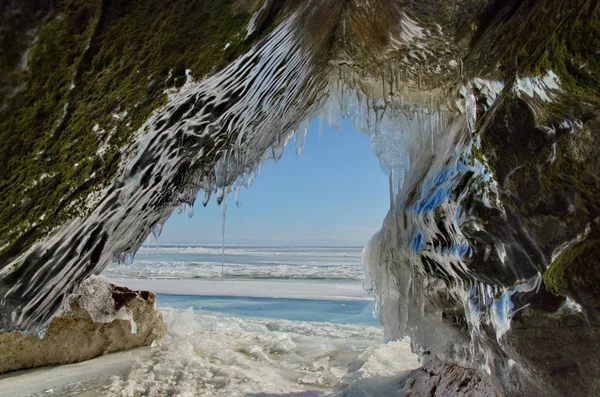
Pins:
x,y
547,174
531,37
576,273
562,352
95,71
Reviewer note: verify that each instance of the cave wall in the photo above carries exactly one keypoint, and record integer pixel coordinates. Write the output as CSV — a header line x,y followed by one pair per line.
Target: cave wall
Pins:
x,y
89,76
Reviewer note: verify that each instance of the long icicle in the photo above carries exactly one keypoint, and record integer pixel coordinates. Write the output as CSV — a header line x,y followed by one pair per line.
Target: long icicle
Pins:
x,y
223,235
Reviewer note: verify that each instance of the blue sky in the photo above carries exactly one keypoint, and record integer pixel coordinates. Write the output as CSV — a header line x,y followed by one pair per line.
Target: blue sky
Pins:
x,y
334,192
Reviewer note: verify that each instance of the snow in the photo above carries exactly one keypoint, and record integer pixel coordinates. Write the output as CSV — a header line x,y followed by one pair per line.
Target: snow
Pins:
x,y
144,268
232,357
538,87
249,288
48,379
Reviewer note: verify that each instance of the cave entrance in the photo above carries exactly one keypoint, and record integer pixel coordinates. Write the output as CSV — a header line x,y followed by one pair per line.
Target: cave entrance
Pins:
x,y
296,233
287,298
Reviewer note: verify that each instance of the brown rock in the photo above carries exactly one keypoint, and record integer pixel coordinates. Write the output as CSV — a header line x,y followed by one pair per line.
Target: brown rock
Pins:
x,y
438,379
101,318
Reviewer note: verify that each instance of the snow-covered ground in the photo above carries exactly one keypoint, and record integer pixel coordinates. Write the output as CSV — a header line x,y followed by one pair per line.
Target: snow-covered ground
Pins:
x,y
209,355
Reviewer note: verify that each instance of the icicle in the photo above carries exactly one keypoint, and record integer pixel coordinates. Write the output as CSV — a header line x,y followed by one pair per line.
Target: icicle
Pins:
x,y
248,179
206,198
125,258
301,137
224,218
335,121
279,146
431,131
238,195
368,108
220,195
41,334
257,171
157,230
190,212
375,310
277,153
391,183
470,111
321,125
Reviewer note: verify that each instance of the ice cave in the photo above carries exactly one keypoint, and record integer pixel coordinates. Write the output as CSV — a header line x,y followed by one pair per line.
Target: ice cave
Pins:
x,y
484,113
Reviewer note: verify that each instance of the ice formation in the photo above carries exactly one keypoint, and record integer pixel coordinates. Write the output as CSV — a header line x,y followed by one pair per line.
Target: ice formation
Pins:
x,y
465,242
228,357
272,263
96,299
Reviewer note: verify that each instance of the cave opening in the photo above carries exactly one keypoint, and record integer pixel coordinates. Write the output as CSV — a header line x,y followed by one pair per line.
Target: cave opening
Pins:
x,y
303,219
290,288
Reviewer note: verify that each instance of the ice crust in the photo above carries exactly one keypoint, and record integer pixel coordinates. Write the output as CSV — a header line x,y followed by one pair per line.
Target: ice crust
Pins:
x,y
95,297
243,263
141,268
291,289
225,356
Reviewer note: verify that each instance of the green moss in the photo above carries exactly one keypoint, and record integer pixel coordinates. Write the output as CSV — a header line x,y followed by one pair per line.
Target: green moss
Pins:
x,y
534,313
93,59
531,37
514,145
571,263
571,317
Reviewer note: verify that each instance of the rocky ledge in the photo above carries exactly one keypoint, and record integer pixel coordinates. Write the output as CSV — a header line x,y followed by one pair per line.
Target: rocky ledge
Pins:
x,y
438,379
101,318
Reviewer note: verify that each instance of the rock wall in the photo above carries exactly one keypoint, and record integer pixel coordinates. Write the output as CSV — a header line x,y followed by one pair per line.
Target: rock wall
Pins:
x,y
101,318
438,379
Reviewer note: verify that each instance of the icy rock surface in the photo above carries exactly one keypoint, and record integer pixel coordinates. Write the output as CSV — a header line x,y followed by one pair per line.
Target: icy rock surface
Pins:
x,y
101,318
211,355
95,296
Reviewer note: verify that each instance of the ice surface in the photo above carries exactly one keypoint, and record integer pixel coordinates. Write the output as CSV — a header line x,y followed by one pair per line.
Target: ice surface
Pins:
x,y
142,268
70,379
250,288
226,356
337,263
265,251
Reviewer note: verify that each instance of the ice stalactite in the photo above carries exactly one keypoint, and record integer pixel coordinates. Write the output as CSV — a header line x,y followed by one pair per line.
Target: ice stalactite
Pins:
x,y
448,256
223,221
